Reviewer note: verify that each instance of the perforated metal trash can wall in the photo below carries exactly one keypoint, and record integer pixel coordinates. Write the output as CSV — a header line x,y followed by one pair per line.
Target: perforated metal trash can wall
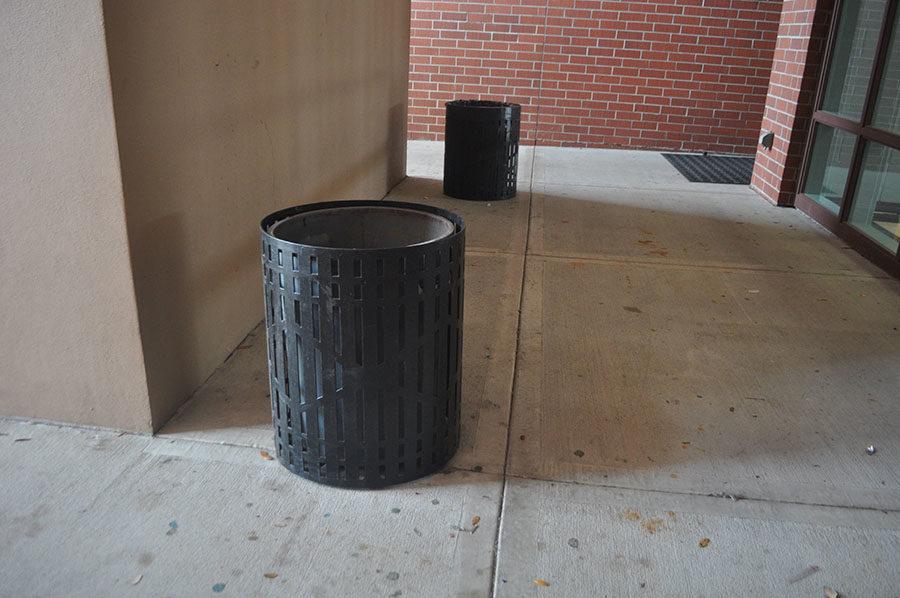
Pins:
x,y
481,149
364,312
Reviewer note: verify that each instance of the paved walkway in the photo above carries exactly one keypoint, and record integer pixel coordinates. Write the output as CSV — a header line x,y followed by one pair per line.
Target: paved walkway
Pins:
x,y
669,388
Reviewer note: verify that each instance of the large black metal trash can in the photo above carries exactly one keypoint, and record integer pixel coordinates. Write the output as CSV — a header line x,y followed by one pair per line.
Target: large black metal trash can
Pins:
x,y
481,149
364,312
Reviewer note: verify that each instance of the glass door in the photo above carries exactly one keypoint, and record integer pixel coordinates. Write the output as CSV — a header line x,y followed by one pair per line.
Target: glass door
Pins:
x,y
851,174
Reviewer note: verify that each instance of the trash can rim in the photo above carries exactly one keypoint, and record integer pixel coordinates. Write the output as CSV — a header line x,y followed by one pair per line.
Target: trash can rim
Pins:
x,y
269,222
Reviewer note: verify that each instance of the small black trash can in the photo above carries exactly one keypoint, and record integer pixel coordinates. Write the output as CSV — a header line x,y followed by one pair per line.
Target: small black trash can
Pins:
x,y
364,313
481,149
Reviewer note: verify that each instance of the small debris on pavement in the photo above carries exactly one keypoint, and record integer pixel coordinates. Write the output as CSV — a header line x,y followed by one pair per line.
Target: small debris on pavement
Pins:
x,y
803,574
137,580
654,525
829,593
870,450
395,510
265,455
393,576
270,575
435,501
734,497
478,469
704,542
573,542
542,582
173,527
475,519
579,453
21,439
218,587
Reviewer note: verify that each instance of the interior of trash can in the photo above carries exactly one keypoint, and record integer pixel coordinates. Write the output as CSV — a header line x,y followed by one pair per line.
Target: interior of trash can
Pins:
x,y
363,227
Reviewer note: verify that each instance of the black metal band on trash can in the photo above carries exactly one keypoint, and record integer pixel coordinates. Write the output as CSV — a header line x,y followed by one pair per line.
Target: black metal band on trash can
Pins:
x,y
481,149
364,340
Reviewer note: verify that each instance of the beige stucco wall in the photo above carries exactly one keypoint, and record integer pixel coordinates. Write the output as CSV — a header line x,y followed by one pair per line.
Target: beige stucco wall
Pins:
x,y
225,111
69,344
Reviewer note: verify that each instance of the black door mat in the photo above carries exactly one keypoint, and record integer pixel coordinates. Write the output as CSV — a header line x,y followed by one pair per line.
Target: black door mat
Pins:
x,y
730,170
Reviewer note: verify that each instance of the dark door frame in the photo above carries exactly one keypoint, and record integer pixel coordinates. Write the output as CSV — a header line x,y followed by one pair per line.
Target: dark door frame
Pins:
x,y
837,223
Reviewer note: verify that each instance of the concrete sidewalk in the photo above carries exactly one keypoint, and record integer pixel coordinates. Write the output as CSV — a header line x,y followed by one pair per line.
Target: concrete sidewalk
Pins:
x,y
668,391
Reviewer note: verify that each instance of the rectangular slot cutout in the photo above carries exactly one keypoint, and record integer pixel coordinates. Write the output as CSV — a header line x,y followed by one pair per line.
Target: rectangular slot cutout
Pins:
x,y
401,326
420,365
300,368
319,391
381,416
338,376
339,419
435,368
379,335
358,334
336,328
421,318
285,363
360,415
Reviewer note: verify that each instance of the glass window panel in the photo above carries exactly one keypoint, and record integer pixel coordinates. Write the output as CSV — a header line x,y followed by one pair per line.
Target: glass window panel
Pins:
x,y
829,164
887,103
876,204
852,56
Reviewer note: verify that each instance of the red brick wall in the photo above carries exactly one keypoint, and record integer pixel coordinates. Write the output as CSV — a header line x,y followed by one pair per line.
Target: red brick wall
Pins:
x,y
682,75
795,72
